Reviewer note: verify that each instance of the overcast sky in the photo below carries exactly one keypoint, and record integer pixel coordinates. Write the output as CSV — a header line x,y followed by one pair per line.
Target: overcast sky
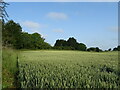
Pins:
x,y
92,23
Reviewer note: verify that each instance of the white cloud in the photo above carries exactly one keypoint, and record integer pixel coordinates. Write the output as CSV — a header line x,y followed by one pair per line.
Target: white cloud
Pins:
x,y
33,27
57,15
58,30
31,24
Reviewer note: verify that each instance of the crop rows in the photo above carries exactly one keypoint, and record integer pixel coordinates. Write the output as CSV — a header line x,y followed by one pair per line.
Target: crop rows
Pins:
x,y
58,71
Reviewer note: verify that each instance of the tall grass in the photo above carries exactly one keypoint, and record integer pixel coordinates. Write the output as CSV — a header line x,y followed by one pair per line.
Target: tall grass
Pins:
x,y
9,67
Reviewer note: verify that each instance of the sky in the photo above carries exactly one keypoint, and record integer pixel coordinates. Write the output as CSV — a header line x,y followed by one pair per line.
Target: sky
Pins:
x,y
93,23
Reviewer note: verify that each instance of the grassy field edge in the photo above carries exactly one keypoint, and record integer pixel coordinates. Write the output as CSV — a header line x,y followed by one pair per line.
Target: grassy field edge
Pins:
x,y
9,68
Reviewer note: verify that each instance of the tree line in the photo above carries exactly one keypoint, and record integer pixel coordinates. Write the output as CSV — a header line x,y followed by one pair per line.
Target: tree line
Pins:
x,y
70,44
13,36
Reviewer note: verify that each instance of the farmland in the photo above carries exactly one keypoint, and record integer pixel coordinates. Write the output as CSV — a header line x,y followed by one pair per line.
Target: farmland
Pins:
x,y
68,69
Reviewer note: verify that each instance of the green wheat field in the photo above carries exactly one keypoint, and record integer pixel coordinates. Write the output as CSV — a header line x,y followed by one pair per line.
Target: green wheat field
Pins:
x,y
68,69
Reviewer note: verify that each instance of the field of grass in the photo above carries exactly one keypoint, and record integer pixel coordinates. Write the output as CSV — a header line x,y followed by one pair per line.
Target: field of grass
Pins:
x,y
9,68
68,69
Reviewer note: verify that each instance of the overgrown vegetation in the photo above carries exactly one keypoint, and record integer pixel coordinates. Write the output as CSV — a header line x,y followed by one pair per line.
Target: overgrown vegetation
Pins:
x,y
9,68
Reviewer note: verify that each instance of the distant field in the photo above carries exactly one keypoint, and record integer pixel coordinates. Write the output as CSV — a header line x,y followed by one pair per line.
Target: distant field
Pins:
x,y
68,69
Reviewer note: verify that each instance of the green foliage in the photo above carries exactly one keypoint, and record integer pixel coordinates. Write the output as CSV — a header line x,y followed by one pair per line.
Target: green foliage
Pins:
x,y
14,37
94,49
9,67
109,49
117,49
68,69
81,47
60,43
26,40
70,44
33,41
11,34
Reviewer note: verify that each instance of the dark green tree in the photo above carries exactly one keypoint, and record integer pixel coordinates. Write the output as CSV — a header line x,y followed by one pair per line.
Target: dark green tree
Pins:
x,y
81,47
36,41
109,49
14,37
91,49
94,49
97,49
11,34
117,48
72,42
26,40
60,43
